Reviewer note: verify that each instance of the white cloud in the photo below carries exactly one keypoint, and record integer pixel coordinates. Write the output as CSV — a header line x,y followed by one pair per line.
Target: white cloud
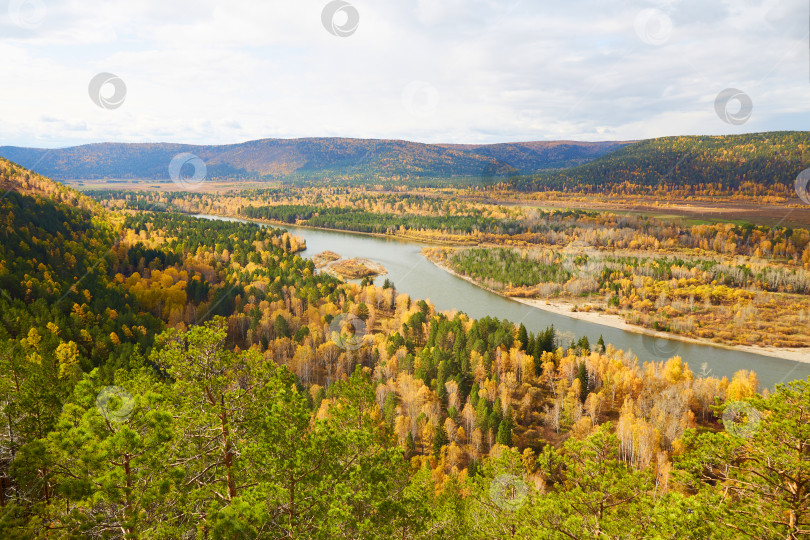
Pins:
x,y
502,70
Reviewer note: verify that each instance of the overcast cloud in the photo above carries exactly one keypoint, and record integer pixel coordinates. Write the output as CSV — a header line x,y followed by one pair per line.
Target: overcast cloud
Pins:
x,y
213,72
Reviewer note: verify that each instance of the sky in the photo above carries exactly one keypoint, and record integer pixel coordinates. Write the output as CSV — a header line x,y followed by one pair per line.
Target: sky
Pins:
x,y
453,71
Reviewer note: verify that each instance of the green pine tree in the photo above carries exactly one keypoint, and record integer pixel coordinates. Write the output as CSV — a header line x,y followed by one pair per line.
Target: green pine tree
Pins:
x,y
410,446
582,375
362,312
523,337
504,436
281,327
440,439
482,414
583,344
474,395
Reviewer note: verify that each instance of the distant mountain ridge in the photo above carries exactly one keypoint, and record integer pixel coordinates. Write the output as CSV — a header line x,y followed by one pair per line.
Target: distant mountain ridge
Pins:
x,y
771,160
310,158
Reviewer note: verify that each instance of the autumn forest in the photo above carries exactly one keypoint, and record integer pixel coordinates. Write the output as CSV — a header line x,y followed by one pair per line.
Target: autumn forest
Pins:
x,y
166,376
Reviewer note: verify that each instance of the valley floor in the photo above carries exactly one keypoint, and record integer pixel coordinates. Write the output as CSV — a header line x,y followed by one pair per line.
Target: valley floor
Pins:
x,y
617,321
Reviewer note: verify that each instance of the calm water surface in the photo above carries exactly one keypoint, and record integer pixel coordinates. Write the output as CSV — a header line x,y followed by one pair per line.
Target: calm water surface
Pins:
x,y
419,278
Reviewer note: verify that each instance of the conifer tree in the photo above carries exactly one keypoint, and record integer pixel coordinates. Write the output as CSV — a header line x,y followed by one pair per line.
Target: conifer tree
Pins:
x,y
440,439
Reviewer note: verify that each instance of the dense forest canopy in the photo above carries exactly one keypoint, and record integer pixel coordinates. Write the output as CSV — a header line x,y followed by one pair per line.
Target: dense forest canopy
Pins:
x,y
163,376
770,160
731,283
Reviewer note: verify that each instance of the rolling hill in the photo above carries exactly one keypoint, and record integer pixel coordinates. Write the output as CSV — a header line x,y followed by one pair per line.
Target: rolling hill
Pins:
x,y
770,160
765,159
309,158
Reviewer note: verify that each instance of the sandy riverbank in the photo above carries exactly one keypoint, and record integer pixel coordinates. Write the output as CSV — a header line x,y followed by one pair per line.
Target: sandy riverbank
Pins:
x,y
617,321
356,268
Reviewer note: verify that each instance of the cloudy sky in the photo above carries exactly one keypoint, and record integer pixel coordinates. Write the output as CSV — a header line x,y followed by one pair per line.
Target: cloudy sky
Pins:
x,y
207,71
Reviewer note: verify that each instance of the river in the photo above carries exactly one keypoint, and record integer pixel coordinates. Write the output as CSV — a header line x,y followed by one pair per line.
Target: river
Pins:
x,y
413,274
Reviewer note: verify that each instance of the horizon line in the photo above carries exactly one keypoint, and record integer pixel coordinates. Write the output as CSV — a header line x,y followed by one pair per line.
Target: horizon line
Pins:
x,y
445,144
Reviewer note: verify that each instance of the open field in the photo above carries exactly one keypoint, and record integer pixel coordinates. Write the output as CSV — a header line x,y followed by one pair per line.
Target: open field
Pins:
x,y
209,186
791,213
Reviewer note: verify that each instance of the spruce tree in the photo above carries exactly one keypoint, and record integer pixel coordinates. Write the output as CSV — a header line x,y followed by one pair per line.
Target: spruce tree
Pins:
x,y
582,375
281,327
474,395
410,446
362,312
584,344
530,346
482,414
504,436
523,337
440,439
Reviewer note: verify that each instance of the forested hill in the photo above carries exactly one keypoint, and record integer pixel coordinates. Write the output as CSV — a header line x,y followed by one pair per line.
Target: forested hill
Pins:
x,y
56,246
766,159
16,179
163,376
310,158
543,155
49,236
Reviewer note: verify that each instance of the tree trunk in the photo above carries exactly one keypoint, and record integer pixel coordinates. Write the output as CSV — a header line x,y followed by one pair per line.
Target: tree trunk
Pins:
x,y
227,453
128,504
